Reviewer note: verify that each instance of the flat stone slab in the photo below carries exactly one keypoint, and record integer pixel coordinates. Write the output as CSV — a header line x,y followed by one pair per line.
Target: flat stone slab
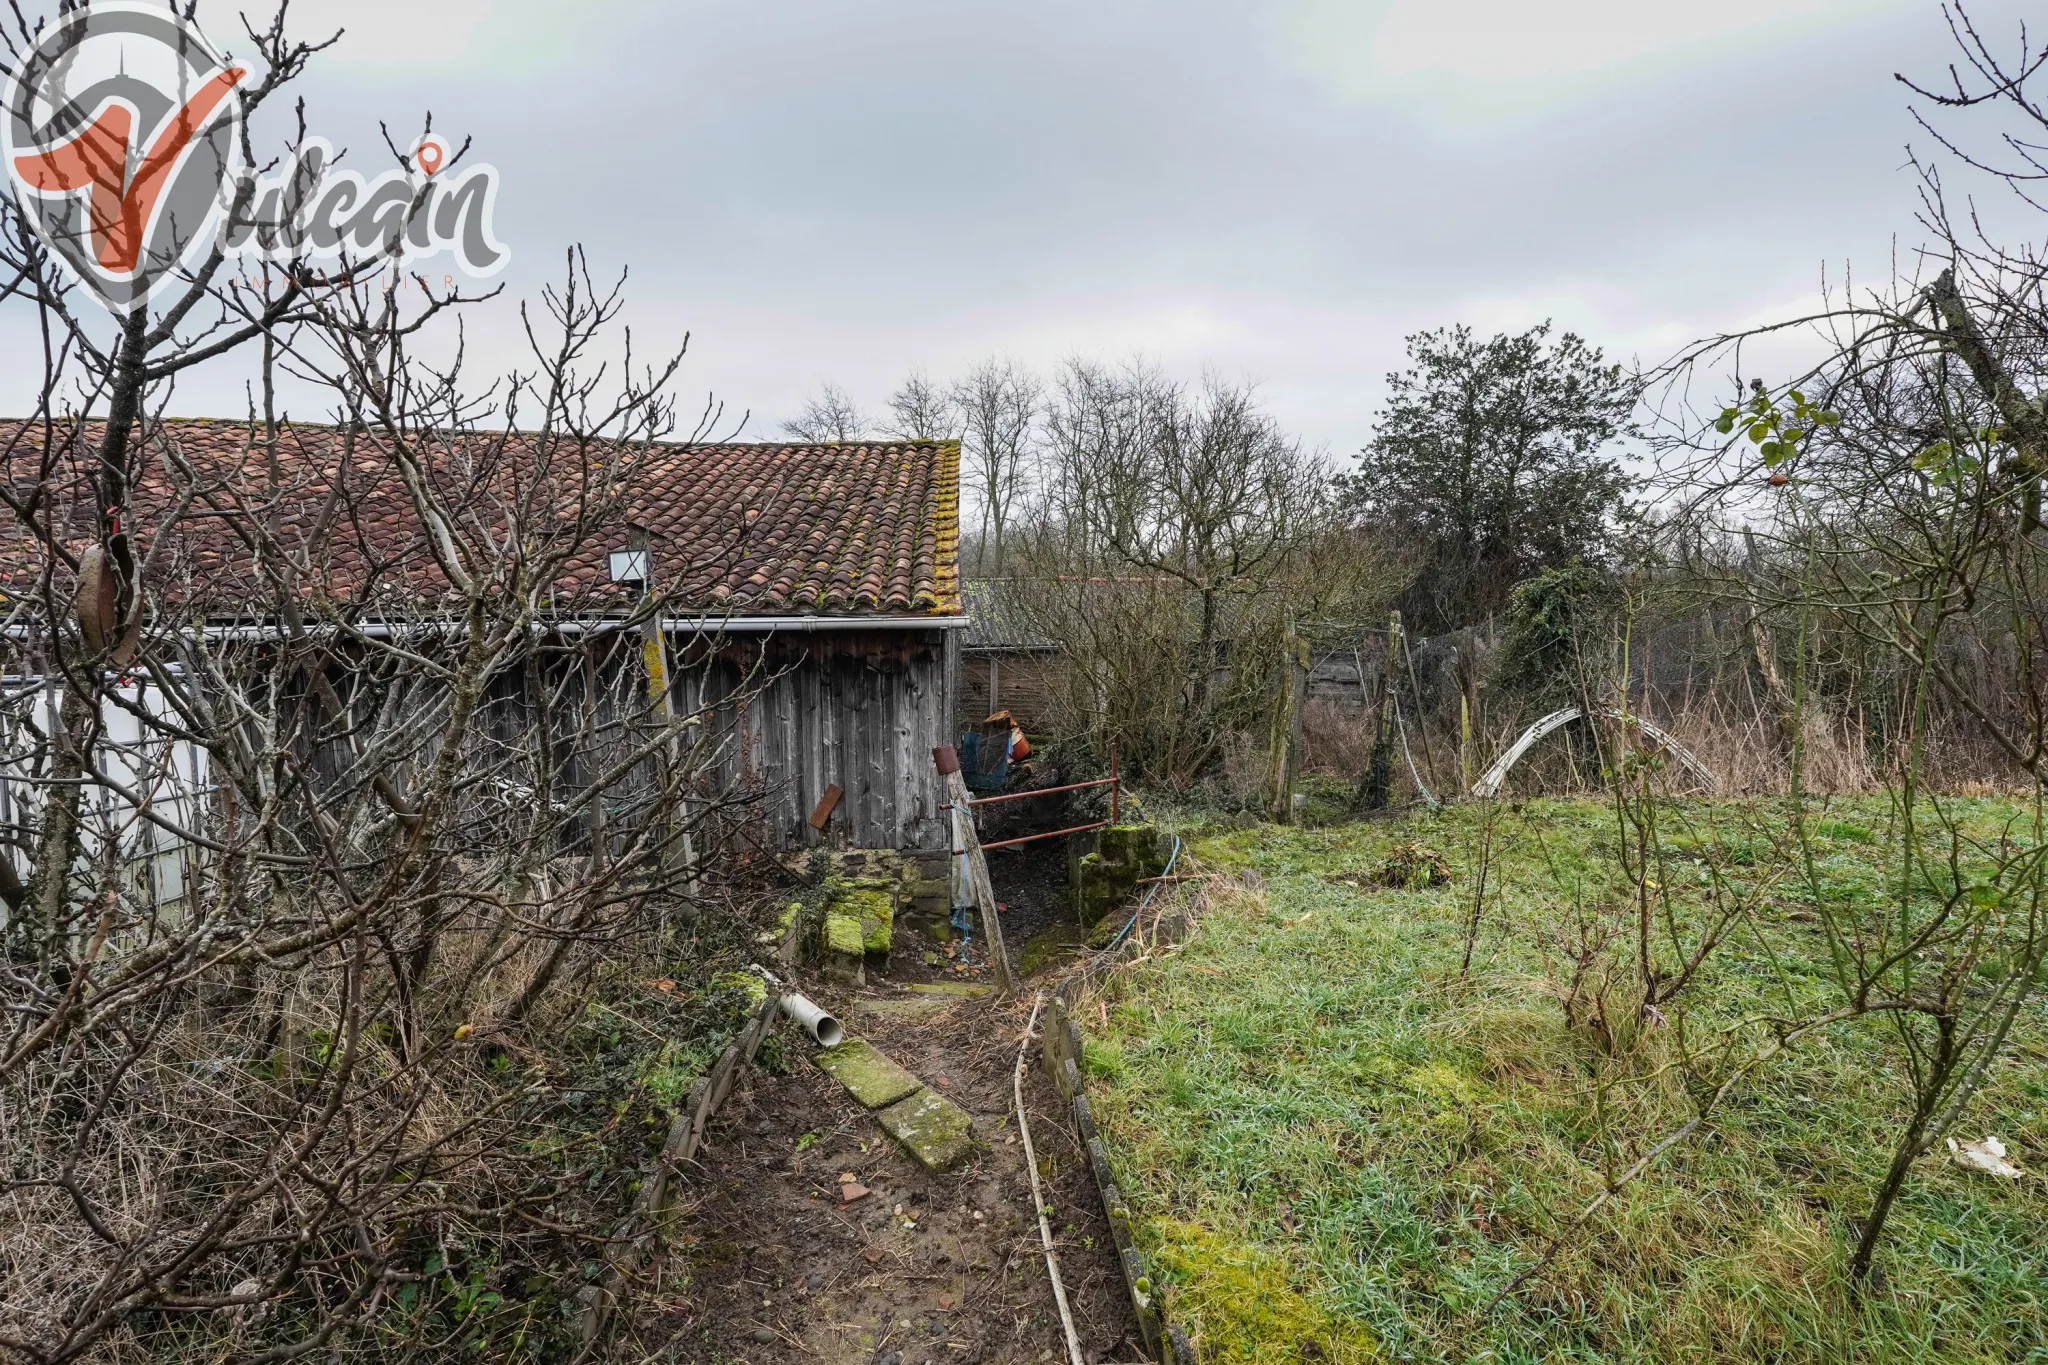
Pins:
x,y
916,1007
867,1073
932,1128
958,990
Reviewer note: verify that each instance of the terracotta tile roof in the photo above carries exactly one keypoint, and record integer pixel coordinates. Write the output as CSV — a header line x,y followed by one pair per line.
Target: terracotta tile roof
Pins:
x,y
866,528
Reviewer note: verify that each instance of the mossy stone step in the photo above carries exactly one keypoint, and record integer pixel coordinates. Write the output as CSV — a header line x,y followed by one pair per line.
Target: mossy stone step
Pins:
x,y
867,1073
932,1128
915,1007
845,948
958,990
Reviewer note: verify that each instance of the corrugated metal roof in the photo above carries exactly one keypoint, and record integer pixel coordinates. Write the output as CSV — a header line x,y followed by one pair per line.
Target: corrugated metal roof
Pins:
x,y
995,622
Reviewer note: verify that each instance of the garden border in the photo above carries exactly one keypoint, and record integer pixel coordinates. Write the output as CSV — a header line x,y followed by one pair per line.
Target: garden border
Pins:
x,y
638,1231
1163,1341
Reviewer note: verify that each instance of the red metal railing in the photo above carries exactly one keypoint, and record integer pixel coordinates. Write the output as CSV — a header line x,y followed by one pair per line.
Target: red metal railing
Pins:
x,y
1114,782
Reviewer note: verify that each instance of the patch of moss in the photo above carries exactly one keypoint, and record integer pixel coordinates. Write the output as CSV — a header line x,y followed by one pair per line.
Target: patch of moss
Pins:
x,y
1043,949
748,986
784,923
1134,844
842,934
875,911
1108,927
1240,1304
869,1074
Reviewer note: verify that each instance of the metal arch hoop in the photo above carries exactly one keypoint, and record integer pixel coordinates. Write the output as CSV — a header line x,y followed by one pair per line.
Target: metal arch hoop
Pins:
x,y
1489,785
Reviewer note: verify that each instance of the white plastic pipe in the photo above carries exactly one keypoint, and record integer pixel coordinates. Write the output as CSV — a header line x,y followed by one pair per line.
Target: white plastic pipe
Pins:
x,y
815,1021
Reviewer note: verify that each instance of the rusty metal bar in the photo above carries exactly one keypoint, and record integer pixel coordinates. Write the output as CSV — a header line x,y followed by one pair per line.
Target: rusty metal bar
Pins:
x,y
1039,791
1049,834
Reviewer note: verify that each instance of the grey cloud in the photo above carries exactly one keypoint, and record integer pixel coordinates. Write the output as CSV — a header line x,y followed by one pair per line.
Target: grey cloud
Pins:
x,y
845,192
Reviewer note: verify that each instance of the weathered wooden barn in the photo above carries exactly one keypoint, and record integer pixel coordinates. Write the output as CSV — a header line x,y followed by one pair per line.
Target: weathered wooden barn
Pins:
x,y
844,604
810,597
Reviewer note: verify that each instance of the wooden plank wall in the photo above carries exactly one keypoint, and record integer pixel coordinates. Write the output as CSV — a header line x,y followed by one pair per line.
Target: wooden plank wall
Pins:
x,y
860,710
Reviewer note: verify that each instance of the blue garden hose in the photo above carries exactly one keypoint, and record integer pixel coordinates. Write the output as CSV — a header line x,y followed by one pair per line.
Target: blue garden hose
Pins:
x,y
963,920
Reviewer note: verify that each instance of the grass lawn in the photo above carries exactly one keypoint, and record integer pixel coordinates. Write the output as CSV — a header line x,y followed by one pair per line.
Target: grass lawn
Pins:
x,y
1342,1150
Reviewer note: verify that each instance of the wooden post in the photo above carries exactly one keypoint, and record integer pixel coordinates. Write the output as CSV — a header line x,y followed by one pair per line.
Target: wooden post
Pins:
x,y
1284,742
954,784
1300,664
1376,787
660,697
951,704
1465,740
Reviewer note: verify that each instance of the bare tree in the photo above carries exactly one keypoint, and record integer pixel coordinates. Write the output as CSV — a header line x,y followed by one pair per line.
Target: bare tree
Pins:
x,y
1178,540
923,411
998,403
828,416
337,767
357,815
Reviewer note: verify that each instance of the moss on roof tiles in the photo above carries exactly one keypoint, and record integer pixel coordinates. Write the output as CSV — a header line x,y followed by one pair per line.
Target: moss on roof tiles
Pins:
x,y
881,517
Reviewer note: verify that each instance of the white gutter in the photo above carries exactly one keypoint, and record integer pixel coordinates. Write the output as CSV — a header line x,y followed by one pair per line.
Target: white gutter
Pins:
x,y
713,624
695,625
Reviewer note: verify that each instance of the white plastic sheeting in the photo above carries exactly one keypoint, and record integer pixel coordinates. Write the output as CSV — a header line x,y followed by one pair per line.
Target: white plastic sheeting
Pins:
x,y
144,770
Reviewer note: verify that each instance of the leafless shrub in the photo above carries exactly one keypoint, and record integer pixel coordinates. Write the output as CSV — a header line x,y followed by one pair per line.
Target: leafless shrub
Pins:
x,y
315,831
1888,502
1337,739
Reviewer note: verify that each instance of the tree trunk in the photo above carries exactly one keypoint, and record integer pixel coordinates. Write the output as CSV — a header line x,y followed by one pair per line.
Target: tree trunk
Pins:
x,y
1284,741
40,927
1912,1144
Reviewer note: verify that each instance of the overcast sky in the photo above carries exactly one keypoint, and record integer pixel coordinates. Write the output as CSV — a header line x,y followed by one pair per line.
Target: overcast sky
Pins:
x,y
1279,191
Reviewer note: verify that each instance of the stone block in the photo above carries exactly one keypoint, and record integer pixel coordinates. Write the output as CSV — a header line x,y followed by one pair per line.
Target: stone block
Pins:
x,y
1107,878
867,1073
843,949
931,1128
1137,845
876,911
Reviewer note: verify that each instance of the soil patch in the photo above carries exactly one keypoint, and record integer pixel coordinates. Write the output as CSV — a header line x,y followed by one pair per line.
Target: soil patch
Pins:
x,y
1032,881
773,1264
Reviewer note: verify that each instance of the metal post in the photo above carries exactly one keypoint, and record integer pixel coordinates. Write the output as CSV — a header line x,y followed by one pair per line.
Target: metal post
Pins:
x,y
1115,789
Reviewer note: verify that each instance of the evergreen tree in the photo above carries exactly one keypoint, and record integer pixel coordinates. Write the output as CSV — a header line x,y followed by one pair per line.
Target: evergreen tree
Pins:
x,y
1490,458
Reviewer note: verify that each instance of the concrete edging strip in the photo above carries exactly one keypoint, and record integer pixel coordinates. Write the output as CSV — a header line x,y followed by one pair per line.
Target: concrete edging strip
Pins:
x,y
1063,1048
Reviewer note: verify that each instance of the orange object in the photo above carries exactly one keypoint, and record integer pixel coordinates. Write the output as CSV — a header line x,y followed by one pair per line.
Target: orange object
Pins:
x,y
1020,747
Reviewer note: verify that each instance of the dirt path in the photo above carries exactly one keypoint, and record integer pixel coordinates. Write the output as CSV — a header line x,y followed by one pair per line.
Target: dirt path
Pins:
x,y
773,1267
